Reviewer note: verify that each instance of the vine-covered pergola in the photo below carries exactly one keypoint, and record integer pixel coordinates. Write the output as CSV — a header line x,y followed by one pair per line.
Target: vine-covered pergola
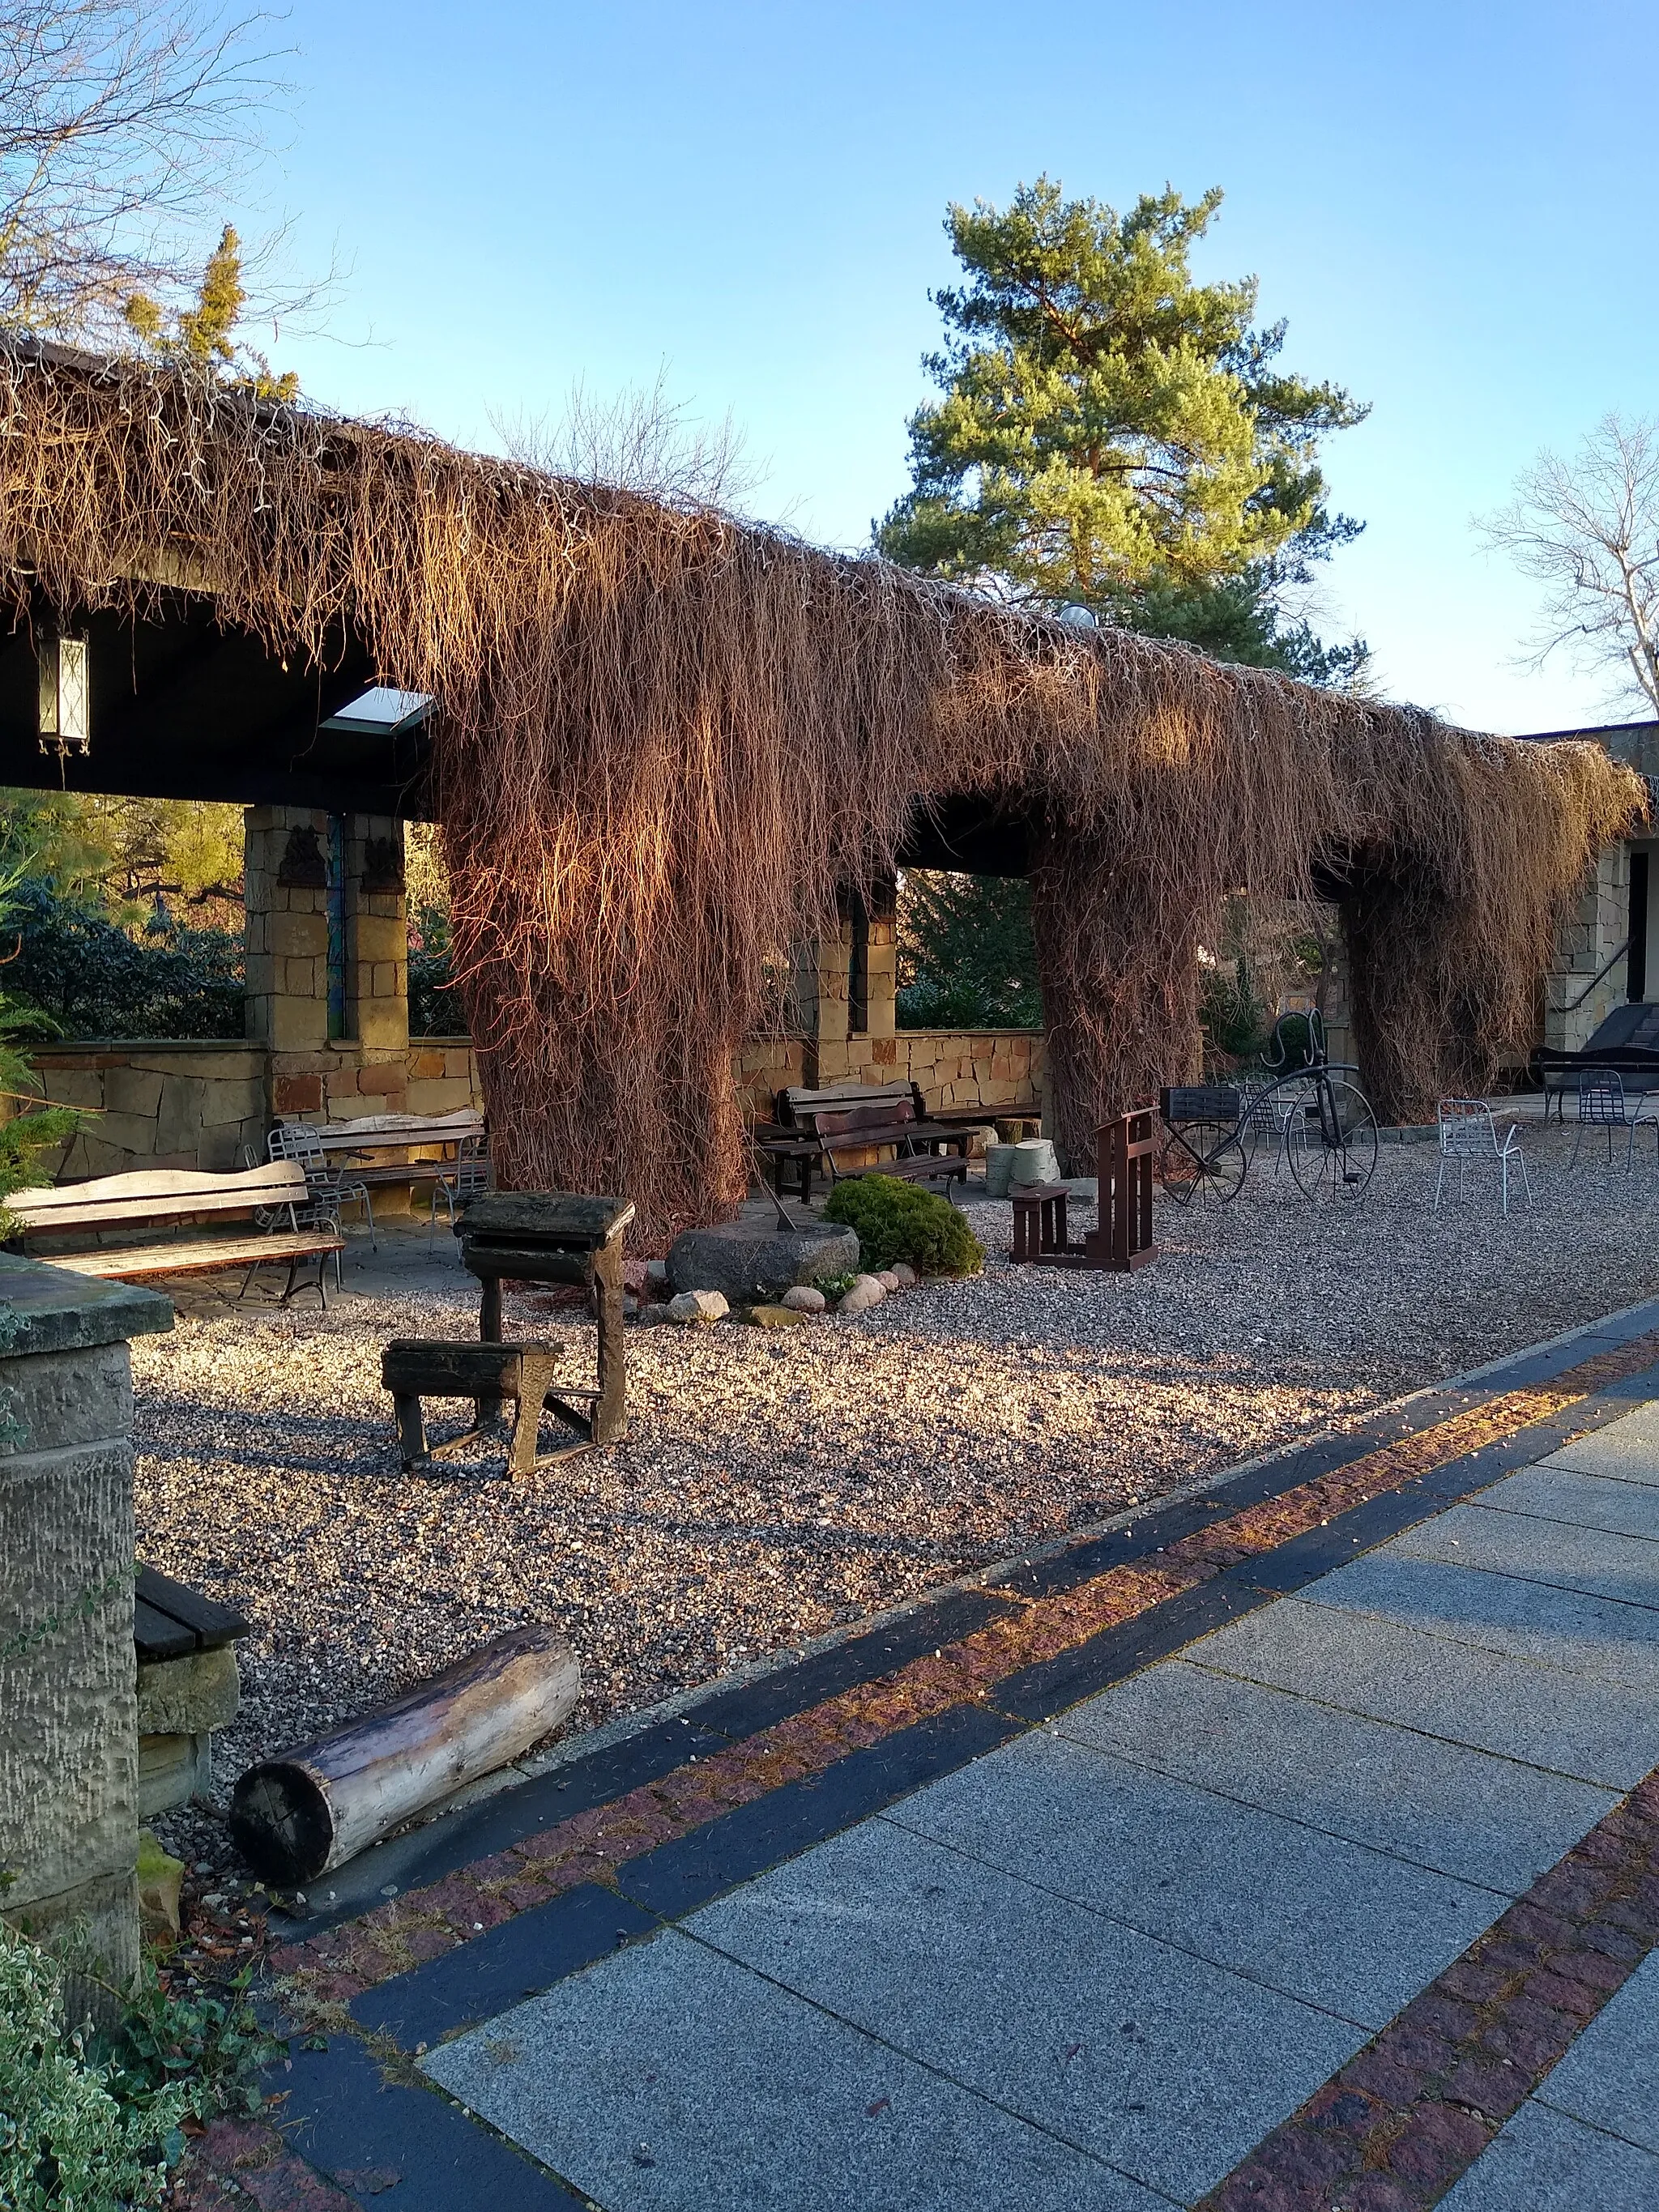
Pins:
x,y
661,740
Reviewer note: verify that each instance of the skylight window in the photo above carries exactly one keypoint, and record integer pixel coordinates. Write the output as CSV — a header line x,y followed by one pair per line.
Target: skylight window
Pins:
x,y
382,712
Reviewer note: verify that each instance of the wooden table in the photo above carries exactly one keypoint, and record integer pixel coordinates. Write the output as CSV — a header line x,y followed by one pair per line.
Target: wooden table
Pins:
x,y
362,1144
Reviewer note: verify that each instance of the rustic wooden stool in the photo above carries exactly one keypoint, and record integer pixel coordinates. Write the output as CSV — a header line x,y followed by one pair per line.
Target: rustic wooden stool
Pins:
x,y
1039,1218
413,1367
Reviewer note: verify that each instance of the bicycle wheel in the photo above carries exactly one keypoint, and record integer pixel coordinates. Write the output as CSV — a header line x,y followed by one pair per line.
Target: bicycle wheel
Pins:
x,y
1331,1144
1204,1161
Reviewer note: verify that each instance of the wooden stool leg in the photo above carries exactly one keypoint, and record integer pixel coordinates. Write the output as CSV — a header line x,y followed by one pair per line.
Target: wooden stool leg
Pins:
x,y
535,1379
610,1408
411,1429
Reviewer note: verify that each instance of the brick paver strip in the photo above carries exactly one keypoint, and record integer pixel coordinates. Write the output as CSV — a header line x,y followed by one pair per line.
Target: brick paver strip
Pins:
x,y
422,1924
1397,2126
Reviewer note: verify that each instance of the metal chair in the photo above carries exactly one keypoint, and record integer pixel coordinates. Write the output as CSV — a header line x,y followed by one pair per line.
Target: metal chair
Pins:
x,y
1602,1105
328,1189
1468,1132
467,1176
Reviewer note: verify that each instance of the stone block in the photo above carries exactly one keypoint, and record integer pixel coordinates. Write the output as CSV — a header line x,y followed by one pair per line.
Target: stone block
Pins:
x,y
380,937
447,1097
235,1101
133,1091
178,1124
298,1024
133,1134
297,936
171,1770
748,1263
72,1086
381,1077
424,1066
189,1695
298,1094
60,1400
383,1024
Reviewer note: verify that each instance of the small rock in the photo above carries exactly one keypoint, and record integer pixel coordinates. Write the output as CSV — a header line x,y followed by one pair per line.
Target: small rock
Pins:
x,y
656,1271
867,1290
776,1316
159,1878
888,1278
692,1307
805,1297
904,1275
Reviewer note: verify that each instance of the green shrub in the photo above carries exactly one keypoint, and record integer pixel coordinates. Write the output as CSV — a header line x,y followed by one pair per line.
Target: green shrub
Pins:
x,y
69,2135
897,1220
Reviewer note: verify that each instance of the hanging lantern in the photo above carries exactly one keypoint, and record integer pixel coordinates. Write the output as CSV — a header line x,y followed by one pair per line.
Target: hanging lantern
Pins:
x,y
65,720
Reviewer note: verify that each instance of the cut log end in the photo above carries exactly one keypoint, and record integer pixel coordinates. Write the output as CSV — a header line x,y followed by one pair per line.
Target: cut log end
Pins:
x,y
281,1822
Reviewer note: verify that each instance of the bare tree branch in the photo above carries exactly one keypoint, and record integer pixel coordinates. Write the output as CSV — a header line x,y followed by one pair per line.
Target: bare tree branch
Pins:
x,y
123,123
1588,530
642,440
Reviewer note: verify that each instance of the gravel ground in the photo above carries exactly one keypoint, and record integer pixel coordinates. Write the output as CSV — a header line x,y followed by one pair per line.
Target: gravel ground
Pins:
x,y
775,1485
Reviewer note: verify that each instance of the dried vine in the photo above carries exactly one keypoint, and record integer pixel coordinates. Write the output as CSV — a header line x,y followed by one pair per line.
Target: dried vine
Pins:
x,y
663,739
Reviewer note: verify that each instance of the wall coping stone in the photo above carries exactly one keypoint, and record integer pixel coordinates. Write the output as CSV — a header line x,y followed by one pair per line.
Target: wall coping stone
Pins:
x,y
46,1309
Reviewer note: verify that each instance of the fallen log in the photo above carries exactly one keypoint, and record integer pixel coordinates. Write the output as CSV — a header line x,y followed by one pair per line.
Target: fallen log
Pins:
x,y
299,1816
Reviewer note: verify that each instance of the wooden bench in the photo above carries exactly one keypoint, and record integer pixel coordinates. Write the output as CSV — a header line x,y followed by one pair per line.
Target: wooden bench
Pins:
x,y
170,1198
188,1685
826,1124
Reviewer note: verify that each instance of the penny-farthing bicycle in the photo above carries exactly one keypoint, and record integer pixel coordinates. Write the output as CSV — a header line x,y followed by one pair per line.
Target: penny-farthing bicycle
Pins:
x,y
1318,1125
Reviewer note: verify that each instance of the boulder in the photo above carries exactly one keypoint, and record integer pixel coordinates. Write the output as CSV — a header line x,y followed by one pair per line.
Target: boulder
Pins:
x,y
867,1290
805,1297
751,1262
888,1280
776,1317
904,1275
692,1308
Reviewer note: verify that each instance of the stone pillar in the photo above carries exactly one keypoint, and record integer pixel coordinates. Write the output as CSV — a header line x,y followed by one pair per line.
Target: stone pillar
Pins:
x,y
68,1726
376,936
285,880
820,995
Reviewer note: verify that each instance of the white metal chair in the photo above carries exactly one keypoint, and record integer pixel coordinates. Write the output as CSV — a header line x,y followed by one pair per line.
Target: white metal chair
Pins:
x,y
1468,1132
1602,1104
468,1175
329,1189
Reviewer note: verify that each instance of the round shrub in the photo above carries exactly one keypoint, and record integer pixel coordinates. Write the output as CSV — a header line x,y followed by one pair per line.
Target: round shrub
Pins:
x,y
897,1220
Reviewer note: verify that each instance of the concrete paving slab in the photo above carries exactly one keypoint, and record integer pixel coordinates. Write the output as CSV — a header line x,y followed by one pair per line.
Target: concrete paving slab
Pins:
x,y
1610,2077
1353,1931
1591,1726
1589,1501
1530,1620
1543,2162
1468,1814
669,2079
1622,1567
1161,2064
1627,1449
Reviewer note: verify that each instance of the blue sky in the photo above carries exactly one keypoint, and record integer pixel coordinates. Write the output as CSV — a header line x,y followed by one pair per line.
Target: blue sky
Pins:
x,y
1451,204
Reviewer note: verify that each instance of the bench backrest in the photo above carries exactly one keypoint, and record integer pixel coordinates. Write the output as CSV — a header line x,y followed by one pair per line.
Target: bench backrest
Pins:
x,y
389,1129
891,1114
160,1194
801,1105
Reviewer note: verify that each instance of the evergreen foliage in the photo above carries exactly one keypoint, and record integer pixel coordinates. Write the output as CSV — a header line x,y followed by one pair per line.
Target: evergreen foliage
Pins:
x,y
203,337
1116,436
966,957
83,975
897,1220
435,999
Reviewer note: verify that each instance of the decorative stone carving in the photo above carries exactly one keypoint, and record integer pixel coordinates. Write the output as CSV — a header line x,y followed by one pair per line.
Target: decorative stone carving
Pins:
x,y
303,867
383,868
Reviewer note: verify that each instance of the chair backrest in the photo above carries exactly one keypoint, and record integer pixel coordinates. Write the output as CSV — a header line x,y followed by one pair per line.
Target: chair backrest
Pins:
x,y
1467,1129
297,1141
1601,1100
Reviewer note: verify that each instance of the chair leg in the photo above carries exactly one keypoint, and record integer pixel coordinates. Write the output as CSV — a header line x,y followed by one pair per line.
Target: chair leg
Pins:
x,y
1439,1181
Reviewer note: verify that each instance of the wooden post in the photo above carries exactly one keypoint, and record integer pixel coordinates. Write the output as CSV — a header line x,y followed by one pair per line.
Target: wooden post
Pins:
x,y
609,1416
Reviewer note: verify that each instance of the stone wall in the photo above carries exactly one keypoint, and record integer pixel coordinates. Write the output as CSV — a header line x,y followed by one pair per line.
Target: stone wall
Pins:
x,y
1589,938
197,1104
1001,1070
69,1727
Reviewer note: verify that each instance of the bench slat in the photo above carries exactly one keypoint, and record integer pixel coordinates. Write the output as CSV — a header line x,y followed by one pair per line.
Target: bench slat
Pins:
x,y
196,1256
210,1623
161,1194
158,1635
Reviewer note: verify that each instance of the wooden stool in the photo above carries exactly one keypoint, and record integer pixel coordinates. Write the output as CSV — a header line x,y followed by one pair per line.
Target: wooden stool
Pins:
x,y
413,1367
1039,1218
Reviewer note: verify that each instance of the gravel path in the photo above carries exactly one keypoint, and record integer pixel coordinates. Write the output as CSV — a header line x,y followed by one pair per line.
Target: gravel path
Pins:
x,y
775,1485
